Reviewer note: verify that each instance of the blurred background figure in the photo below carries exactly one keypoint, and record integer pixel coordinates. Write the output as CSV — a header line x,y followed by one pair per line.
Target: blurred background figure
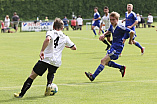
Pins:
x,y
15,21
66,22
7,21
4,28
142,22
73,23
139,20
149,20
79,22
46,19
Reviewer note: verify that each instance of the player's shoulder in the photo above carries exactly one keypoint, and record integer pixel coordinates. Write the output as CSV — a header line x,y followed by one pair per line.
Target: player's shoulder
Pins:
x,y
133,13
97,13
121,27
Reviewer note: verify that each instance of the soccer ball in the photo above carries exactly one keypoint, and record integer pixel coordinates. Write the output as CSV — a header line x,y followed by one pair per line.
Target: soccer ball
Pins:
x,y
54,89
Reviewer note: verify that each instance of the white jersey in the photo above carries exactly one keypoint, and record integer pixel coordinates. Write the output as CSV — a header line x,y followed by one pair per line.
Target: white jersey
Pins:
x,y
53,52
7,22
106,20
150,18
79,21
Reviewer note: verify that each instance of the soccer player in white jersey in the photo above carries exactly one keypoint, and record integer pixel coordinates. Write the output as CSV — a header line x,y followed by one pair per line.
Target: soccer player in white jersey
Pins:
x,y
106,19
50,56
130,22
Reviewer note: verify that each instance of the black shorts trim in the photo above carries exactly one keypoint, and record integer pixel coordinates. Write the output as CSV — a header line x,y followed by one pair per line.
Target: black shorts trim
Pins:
x,y
40,68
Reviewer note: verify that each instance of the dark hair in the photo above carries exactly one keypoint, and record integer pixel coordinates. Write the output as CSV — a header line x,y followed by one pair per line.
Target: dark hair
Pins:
x,y
106,7
150,13
96,8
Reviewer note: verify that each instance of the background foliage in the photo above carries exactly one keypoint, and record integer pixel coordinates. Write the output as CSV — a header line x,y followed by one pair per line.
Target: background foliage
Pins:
x,y
30,9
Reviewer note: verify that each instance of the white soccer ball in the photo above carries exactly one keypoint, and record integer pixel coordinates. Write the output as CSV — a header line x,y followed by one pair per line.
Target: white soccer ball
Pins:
x,y
54,89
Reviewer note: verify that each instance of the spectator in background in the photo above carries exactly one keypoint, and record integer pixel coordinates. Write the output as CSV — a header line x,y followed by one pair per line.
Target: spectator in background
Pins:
x,y
46,19
79,22
139,20
149,20
66,22
143,22
4,28
73,23
15,21
7,21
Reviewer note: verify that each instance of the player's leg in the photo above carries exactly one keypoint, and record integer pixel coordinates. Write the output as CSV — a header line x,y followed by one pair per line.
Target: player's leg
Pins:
x,y
94,29
104,61
51,70
38,69
50,75
139,46
114,56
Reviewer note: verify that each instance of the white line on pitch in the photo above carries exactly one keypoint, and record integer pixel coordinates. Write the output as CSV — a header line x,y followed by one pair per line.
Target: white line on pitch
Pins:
x,y
98,39
74,84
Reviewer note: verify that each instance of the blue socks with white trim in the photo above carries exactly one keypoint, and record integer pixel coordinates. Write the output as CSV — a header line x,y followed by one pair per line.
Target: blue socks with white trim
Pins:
x,y
114,65
98,70
94,31
138,45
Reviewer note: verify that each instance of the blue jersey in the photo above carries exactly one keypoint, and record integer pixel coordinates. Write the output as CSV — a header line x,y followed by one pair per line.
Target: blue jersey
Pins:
x,y
118,34
96,15
65,20
130,19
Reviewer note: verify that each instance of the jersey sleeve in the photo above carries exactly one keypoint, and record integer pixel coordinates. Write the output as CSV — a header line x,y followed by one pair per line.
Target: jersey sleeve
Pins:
x,y
135,17
110,29
69,43
49,33
125,29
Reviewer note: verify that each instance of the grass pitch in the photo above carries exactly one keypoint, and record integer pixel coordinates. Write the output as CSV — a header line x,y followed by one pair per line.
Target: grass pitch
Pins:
x,y
20,51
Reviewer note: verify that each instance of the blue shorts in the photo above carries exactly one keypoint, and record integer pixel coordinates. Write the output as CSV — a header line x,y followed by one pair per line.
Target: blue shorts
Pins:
x,y
127,35
96,24
113,54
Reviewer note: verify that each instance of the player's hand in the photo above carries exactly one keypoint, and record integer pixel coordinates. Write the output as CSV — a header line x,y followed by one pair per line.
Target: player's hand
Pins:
x,y
129,27
42,55
93,19
101,37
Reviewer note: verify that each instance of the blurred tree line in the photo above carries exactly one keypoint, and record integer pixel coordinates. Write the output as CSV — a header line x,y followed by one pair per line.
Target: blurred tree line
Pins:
x,y
31,9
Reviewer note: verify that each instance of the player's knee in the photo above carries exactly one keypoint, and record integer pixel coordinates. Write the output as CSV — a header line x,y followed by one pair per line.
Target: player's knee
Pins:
x,y
103,62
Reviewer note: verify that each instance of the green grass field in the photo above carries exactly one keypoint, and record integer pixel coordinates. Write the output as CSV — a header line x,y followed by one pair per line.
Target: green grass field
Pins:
x,y
20,51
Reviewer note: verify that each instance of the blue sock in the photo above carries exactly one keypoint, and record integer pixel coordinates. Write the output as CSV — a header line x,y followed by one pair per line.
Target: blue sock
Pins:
x,y
98,70
138,45
94,31
103,31
113,64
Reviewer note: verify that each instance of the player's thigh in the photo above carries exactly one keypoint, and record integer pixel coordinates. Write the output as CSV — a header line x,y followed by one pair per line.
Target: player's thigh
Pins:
x,y
52,69
40,67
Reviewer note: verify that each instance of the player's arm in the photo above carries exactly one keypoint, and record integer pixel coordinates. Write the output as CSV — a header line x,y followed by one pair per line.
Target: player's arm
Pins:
x,y
136,22
45,44
72,48
103,36
123,20
97,19
70,44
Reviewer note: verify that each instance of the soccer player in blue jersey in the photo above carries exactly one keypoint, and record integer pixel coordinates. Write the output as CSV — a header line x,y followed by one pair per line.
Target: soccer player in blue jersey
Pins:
x,y
116,47
130,22
96,20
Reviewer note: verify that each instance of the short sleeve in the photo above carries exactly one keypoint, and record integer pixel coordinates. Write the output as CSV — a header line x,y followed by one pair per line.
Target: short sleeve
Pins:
x,y
69,43
135,17
49,33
